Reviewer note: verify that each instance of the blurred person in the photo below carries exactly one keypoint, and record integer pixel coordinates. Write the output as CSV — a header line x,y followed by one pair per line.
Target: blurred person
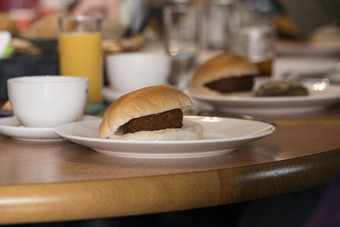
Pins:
x,y
308,15
298,19
130,15
108,9
327,212
310,208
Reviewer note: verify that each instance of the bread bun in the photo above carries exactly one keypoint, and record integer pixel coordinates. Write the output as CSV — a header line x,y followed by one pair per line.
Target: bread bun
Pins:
x,y
140,103
220,67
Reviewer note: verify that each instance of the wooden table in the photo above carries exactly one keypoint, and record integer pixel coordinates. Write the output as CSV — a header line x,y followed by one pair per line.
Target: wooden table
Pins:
x,y
43,182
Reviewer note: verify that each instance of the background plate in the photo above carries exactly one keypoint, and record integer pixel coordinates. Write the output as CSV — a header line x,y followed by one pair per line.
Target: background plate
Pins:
x,y
272,106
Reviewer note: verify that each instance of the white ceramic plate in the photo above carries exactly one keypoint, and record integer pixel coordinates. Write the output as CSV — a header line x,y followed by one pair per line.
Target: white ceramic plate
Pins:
x,y
273,106
334,77
10,126
305,67
316,47
221,135
111,95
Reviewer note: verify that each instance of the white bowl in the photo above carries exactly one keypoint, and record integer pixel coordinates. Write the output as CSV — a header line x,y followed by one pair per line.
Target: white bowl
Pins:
x,y
131,71
47,101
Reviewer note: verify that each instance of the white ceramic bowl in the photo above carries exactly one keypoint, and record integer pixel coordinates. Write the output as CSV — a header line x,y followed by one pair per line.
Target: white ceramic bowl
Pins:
x,y
130,71
47,101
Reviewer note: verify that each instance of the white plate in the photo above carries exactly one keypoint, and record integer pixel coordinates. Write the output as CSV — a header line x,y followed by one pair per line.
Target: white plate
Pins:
x,y
306,66
308,48
324,40
334,77
10,126
221,135
273,106
111,95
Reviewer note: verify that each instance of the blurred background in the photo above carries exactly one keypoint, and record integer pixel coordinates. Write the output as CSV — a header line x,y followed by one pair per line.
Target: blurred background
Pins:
x,y
302,36
300,27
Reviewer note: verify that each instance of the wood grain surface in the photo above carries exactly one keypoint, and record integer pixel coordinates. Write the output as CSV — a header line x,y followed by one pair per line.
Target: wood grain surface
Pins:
x,y
43,182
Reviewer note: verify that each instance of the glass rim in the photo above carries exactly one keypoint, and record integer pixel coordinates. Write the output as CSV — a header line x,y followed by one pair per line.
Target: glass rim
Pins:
x,y
47,79
81,17
181,8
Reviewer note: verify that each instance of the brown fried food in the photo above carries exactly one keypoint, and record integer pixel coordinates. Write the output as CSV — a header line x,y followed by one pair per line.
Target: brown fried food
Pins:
x,y
281,88
168,119
232,84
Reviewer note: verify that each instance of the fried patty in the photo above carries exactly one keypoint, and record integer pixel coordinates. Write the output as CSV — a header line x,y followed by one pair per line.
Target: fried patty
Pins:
x,y
281,88
168,119
232,84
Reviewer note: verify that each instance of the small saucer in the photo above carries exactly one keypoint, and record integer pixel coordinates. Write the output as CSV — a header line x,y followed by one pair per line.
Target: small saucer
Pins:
x,y
10,126
110,95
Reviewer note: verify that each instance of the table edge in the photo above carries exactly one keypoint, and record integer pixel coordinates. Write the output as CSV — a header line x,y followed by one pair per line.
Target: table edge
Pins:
x,y
143,195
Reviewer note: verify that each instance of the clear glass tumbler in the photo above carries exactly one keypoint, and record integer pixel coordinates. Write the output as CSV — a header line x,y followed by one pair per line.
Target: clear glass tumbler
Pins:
x,y
253,35
182,41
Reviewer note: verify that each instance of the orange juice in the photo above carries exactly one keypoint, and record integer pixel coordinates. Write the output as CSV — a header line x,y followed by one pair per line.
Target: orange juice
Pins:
x,y
81,55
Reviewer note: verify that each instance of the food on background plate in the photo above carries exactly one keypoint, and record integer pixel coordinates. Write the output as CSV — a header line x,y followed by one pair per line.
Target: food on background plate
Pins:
x,y
228,74
150,113
224,74
281,88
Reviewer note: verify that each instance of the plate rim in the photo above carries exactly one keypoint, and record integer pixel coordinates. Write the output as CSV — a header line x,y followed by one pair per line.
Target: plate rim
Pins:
x,y
38,134
22,128
281,99
166,149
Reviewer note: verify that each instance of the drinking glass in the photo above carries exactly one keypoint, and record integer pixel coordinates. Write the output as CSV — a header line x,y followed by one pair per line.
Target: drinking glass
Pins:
x,y
215,25
182,41
253,35
80,51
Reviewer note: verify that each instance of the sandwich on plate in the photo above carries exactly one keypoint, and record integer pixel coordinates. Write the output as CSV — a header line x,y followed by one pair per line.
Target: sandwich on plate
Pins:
x,y
150,113
224,74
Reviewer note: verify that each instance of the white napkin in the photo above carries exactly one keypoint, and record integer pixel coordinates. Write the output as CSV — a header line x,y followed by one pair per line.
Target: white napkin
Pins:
x,y
5,39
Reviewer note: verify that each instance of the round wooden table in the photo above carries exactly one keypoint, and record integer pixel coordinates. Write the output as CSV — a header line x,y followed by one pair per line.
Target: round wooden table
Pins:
x,y
61,181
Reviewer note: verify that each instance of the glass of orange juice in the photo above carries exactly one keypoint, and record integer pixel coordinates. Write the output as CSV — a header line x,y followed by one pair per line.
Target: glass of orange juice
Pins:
x,y
80,51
